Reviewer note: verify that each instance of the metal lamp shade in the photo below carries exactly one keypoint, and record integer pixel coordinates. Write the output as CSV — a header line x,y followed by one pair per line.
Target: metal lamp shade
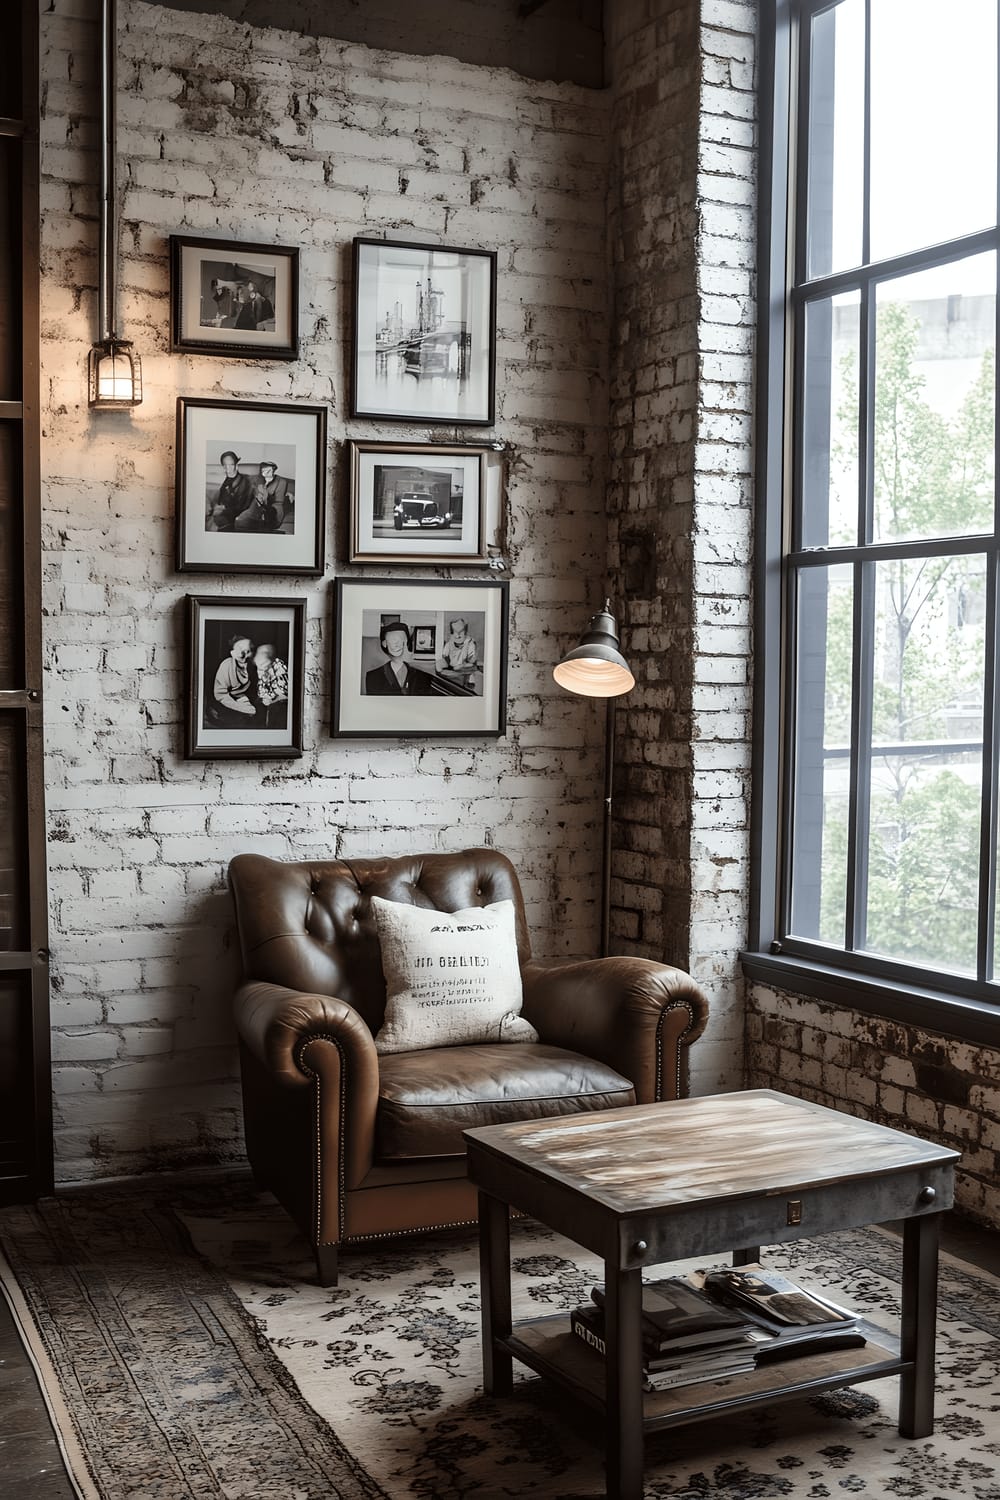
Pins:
x,y
596,668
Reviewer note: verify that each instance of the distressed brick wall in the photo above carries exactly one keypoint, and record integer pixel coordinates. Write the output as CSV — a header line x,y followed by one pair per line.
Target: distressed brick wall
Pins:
x,y
682,248
913,1080
265,135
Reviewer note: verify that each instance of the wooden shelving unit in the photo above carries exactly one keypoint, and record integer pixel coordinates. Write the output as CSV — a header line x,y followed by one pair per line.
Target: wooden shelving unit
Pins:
x,y
25,1083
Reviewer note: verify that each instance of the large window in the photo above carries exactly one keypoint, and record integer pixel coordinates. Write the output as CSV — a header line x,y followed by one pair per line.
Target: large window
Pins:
x,y
880,530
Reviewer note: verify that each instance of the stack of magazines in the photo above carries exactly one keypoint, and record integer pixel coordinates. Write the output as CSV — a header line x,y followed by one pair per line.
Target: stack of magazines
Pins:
x,y
720,1323
786,1319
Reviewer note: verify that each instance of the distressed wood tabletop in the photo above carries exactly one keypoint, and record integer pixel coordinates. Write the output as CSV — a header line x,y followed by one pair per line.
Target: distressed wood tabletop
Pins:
x,y
691,1150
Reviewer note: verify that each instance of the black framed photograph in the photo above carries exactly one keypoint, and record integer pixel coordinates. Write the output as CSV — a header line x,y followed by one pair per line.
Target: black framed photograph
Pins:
x,y
422,657
417,502
424,332
250,486
245,677
231,298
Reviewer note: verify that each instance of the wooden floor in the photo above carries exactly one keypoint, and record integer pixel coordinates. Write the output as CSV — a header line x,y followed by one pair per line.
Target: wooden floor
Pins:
x,y
30,1464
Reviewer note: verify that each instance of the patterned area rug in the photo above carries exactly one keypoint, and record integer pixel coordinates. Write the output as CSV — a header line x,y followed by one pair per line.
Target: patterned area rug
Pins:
x,y
228,1372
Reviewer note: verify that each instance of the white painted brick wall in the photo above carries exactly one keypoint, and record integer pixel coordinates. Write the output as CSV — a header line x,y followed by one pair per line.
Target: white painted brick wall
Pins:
x,y
335,141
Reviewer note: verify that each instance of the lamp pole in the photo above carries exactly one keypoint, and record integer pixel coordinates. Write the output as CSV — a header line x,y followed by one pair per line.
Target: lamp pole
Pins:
x,y
596,668
609,780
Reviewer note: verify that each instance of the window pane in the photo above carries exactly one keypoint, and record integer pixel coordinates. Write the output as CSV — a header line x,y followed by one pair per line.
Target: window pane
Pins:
x,y
934,401
926,760
822,753
836,139
830,422
933,122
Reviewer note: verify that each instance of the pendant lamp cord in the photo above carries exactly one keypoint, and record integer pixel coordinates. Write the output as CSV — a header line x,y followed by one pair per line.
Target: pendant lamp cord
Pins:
x,y
108,224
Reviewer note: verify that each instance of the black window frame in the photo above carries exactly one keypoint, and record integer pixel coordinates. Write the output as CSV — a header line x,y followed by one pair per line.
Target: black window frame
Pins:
x,y
968,1008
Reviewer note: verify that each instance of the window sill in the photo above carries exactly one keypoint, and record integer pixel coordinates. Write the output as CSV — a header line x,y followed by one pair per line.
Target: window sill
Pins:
x,y
956,1016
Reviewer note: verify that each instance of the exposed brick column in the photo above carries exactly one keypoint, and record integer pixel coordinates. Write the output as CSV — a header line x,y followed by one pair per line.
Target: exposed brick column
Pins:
x,y
682,247
653,223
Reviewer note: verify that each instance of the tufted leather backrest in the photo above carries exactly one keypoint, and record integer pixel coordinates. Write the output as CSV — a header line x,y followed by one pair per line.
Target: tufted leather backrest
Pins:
x,y
309,925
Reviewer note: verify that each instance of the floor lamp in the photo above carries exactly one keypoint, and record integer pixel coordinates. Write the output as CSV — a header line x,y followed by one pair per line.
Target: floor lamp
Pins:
x,y
596,669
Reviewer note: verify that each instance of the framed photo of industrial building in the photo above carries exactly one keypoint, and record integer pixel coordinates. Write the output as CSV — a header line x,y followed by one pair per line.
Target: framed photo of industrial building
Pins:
x,y
227,297
251,483
425,658
417,503
245,677
424,332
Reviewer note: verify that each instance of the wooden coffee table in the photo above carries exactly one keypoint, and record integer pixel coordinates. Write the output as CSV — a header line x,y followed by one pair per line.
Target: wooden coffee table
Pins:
x,y
653,1183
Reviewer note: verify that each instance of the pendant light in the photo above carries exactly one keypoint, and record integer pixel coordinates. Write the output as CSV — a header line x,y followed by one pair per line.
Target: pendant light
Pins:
x,y
114,369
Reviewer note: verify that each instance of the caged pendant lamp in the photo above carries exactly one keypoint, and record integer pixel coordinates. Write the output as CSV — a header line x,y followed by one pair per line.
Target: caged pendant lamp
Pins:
x,y
114,370
596,668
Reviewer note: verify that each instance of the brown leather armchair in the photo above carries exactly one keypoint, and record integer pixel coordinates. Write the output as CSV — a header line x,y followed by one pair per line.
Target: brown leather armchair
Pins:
x,y
359,1146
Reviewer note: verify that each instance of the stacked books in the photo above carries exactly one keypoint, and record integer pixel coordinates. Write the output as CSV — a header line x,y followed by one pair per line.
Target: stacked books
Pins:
x,y
686,1336
716,1324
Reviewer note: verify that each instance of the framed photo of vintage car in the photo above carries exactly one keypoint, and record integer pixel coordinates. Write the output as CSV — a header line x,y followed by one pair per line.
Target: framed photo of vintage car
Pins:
x,y
424,332
417,503
245,663
250,487
426,657
227,297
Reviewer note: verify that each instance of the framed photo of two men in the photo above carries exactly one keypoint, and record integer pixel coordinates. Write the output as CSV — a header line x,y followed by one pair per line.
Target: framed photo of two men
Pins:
x,y
251,485
227,297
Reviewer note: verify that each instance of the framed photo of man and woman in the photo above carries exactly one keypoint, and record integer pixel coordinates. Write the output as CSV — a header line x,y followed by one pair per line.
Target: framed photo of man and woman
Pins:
x,y
231,298
245,675
427,657
251,486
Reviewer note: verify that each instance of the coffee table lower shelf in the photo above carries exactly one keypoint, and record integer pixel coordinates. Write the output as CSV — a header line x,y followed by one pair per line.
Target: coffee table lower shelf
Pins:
x,y
546,1347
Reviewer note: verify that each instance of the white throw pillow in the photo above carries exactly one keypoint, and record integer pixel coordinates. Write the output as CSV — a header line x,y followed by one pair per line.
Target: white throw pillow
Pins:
x,y
450,977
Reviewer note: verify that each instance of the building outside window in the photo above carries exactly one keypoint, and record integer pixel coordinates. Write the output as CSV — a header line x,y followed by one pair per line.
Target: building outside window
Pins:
x,y
877,804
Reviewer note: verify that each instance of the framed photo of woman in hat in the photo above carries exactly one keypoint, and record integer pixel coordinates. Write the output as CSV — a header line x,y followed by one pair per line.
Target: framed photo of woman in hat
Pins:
x,y
250,486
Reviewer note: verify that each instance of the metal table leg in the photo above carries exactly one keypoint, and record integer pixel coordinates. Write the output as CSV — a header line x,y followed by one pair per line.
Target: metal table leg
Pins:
x,y
917,1324
494,1279
623,1375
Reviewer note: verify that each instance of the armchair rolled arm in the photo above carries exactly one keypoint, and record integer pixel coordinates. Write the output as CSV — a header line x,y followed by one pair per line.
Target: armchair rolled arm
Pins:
x,y
276,1023
302,1039
637,1016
